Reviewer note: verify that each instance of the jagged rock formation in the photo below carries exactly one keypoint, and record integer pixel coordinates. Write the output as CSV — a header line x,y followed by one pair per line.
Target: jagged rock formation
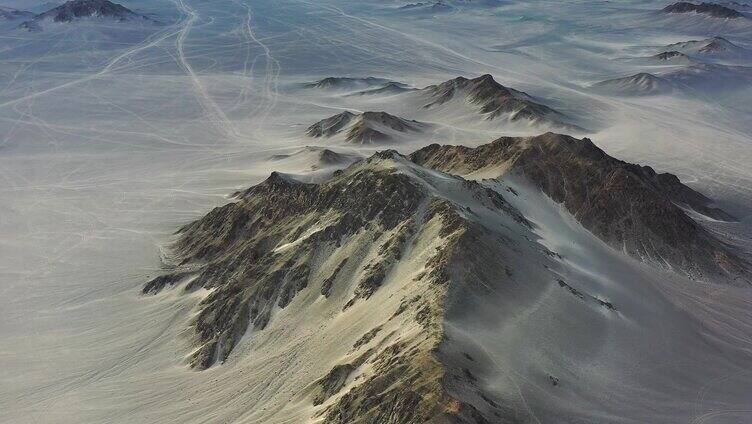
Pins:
x,y
628,206
711,9
634,85
365,128
493,99
77,9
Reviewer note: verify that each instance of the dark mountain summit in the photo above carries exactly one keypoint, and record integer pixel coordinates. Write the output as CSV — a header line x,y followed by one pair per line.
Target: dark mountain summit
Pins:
x,y
711,9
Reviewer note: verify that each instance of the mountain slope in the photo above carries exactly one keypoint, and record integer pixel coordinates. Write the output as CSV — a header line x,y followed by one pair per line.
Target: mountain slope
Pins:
x,y
630,207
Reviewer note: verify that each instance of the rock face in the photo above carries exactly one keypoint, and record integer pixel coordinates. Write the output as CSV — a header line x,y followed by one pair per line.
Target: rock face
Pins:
x,y
634,85
711,9
493,100
632,208
77,9
366,128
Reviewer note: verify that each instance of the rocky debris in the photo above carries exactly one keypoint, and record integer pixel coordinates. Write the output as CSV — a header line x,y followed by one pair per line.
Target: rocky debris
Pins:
x,y
332,383
711,9
365,128
157,284
326,286
634,85
584,296
631,207
406,387
494,100
367,338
